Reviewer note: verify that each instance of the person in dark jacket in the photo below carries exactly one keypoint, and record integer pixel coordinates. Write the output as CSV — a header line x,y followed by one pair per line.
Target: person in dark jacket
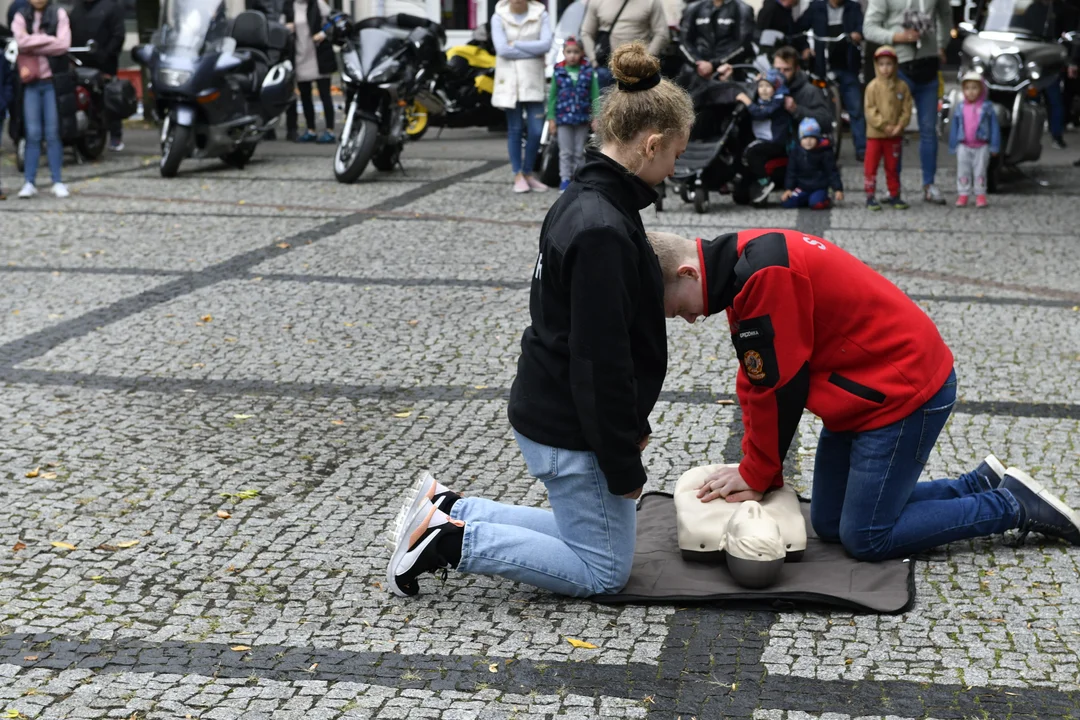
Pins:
x,y
804,99
315,63
591,368
771,125
776,15
815,328
16,8
831,18
811,170
103,22
7,91
711,31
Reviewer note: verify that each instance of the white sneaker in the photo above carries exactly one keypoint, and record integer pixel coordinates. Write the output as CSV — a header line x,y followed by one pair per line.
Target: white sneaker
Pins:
x,y
60,190
28,191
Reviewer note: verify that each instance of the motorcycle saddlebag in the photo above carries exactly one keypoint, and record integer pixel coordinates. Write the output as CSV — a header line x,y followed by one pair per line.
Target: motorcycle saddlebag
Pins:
x,y
120,98
1025,137
278,89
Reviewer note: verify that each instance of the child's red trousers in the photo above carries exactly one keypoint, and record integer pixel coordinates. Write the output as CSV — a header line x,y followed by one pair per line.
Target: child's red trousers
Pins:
x,y
876,149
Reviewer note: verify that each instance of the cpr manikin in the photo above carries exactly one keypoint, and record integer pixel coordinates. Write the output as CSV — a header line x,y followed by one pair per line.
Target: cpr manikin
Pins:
x,y
754,539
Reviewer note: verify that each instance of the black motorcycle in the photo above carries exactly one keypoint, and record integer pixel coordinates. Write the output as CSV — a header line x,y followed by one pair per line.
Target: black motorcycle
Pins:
x,y
86,129
385,61
1018,60
218,84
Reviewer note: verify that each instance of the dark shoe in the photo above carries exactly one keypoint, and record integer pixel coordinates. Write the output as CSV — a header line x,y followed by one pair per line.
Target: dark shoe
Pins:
x,y
761,193
307,137
1040,511
431,541
872,203
290,135
1058,143
991,472
860,157
895,203
325,137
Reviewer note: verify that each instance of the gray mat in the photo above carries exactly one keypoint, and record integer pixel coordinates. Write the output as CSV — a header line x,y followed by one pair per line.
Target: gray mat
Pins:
x,y
826,575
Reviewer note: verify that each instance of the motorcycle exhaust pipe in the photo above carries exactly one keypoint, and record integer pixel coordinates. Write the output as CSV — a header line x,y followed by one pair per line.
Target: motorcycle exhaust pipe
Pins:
x,y
431,101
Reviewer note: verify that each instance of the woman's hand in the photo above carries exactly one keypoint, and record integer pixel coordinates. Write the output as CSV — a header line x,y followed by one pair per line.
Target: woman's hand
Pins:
x,y
838,196
551,126
291,27
784,198
319,36
704,68
906,37
728,483
644,443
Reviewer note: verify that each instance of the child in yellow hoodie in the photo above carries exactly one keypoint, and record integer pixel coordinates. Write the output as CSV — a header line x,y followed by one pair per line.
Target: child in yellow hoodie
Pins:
x,y
888,111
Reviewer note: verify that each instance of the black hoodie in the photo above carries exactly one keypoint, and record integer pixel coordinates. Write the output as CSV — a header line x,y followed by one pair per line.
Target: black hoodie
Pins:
x,y
103,22
594,359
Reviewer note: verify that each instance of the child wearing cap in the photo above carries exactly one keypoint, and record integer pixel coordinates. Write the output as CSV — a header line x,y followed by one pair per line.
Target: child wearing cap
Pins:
x,y
888,111
771,125
974,135
811,170
571,96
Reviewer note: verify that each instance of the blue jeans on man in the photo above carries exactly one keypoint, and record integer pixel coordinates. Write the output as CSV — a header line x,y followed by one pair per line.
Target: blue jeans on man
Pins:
x,y
851,94
925,98
41,120
533,128
583,546
866,493
1055,106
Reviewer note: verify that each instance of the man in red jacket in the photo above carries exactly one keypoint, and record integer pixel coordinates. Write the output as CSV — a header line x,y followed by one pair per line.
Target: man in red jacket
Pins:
x,y
815,328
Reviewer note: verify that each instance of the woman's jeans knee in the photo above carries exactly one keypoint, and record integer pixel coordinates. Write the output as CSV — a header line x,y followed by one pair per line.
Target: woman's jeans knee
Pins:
x,y
532,129
866,493
41,120
583,546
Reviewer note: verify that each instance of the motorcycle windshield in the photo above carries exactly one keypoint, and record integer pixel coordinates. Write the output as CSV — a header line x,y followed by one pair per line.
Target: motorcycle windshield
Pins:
x,y
1031,18
375,45
191,27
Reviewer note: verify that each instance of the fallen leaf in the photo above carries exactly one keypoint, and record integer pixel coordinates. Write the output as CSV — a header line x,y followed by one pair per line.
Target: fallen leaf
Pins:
x,y
284,245
127,544
18,546
231,339
313,666
414,322
30,658
33,473
64,545
207,318
580,643
106,546
493,668
337,422
240,648
241,416
479,387
224,514
48,476
350,324
725,402
241,202
402,414
198,365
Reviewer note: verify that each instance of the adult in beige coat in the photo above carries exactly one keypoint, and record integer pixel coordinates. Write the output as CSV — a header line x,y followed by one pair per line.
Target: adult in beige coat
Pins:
x,y
643,20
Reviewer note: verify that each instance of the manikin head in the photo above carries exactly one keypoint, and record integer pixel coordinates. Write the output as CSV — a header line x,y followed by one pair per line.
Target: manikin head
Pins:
x,y
643,130
753,546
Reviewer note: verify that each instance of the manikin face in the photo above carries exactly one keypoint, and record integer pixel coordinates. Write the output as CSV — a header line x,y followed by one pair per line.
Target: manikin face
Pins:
x,y
572,54
809,143
886,67
972,90
765,90
660,157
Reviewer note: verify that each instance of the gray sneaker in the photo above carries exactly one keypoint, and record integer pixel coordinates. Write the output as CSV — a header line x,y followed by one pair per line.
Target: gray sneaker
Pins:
x,y
932,195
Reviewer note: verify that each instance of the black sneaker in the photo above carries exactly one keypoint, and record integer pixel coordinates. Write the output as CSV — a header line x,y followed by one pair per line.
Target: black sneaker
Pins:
x,y
1040,511
759,196
992,472
872,203
895,203
432,542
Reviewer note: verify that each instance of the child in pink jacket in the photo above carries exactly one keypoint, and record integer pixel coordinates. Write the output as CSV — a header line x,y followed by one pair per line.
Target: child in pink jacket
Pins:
x,y
43,34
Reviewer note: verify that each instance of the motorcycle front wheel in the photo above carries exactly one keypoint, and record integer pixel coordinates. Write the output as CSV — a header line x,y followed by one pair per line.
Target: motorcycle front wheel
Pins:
x,y
92,144
174,148
416,120
354,152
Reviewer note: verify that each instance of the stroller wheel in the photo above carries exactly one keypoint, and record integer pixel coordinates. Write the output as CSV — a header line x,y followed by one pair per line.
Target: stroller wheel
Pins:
x,y
701,200
684,193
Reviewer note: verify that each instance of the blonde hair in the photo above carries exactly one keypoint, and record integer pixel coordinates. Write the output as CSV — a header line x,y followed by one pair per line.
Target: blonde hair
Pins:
x,y
665,108
672,251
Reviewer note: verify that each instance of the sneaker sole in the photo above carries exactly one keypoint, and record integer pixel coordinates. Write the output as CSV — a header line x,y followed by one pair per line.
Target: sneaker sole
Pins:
x,y
414,504
1043,494
401,549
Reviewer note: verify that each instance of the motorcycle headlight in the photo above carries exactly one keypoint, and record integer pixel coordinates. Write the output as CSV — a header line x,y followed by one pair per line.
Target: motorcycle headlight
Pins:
x,y
350,61
174,78
1005,68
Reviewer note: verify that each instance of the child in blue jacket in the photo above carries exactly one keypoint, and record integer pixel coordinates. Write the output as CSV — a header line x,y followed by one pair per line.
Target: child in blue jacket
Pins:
x,y
7,92
974,135
811,170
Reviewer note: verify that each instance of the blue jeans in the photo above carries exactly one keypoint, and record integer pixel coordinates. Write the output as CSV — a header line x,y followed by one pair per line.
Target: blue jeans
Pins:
x,y
817,199
42,120
534,126
867,496
583,546
851,94
925,98
1055,107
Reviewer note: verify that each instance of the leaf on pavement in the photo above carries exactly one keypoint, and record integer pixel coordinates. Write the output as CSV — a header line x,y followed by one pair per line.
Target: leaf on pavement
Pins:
x,y
224,514
240,648
402,414
581,643
414,323
207,318
30,658
64,545
107,547
33,473
48,476
18,546
127,544
242,416
493,668
284,245
479,387
337,422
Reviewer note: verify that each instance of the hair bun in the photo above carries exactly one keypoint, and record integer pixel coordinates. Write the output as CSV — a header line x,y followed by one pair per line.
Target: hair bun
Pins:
x,y
632,62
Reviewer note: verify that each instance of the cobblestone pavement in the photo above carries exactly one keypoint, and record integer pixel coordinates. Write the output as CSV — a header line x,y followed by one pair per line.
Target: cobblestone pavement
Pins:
x,y
168,341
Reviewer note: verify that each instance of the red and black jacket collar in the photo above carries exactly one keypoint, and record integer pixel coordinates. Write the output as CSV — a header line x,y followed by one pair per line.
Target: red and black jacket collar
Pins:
x,y
718,258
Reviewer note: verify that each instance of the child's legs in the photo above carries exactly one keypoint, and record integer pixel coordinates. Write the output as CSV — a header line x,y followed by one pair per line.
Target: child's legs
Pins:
x,y
892,148
819,199
870,164
309,105
594,548
327,102
565,135
964,168
581,136
758,153
980,163
798,199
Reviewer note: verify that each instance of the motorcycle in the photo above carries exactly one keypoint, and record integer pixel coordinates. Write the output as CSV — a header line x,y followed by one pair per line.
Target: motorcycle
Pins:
x,y
88,134
385,62
219,85
1017,62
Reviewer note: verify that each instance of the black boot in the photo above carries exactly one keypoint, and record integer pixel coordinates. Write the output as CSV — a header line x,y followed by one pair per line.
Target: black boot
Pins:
x,y
1040,511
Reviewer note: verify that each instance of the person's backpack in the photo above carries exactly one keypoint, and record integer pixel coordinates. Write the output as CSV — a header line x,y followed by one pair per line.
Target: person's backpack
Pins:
x,y
120,98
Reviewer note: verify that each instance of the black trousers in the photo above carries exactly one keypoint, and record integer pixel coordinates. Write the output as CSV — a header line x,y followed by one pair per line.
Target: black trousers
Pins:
x,y
760,152
309,104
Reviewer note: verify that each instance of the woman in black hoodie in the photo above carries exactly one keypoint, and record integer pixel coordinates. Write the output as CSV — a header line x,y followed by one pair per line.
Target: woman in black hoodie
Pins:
x,y
591,367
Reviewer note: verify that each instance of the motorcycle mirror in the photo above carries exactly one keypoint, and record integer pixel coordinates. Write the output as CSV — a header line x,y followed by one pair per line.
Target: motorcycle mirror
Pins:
x,y
141,54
